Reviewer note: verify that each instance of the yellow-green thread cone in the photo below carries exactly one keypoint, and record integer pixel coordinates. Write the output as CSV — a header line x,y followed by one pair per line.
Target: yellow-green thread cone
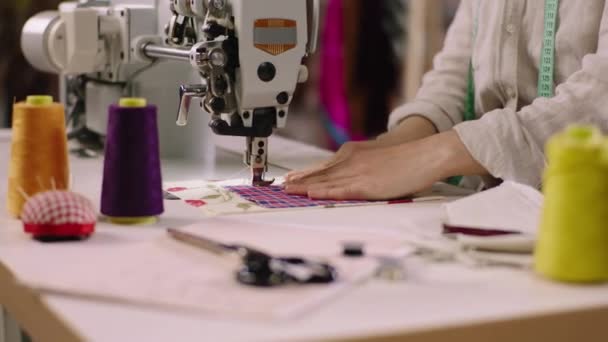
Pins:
x,y
573,240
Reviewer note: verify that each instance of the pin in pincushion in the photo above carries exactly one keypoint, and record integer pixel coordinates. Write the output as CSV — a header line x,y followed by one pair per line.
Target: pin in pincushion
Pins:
x,y
56,215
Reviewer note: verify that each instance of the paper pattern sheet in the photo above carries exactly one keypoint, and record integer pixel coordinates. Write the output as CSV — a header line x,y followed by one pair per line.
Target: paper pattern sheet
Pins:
x,y
171,275
510,206
177,277
237,197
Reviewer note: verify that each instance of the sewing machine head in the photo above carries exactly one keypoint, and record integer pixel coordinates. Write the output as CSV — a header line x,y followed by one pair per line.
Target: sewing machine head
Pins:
x,y
250,57
249,54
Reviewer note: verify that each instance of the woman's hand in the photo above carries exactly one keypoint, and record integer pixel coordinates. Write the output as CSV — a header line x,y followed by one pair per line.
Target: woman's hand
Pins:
x,y
391,172
411,129
345,152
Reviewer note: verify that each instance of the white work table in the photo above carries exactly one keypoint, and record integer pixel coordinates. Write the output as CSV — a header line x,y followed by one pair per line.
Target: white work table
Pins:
x,y
437,301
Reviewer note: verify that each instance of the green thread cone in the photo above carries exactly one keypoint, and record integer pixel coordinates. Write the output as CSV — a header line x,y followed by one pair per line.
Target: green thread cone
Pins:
x,y
573,240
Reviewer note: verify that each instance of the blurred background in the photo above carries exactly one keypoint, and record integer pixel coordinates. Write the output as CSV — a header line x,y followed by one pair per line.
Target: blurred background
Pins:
x,y
371,58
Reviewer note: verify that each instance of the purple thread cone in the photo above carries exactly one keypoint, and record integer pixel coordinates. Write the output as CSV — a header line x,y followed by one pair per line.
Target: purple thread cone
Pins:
x,y
132,182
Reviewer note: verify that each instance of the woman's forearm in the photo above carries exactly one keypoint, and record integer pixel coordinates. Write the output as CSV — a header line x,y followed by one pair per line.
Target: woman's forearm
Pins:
x,y
389,172
453,158
411,129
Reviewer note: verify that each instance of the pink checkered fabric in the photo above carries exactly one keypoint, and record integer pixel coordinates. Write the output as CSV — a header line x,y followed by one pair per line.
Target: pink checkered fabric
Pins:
x,y
58,208
275,197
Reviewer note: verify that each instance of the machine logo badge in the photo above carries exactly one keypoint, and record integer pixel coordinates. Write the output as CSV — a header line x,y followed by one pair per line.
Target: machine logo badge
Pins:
x,y
275,36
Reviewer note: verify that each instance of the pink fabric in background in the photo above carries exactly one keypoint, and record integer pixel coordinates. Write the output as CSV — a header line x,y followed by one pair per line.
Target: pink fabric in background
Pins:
x,y
333,91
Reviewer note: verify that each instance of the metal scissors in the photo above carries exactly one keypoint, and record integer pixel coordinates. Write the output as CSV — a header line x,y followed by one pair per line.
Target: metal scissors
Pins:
x,y
260,269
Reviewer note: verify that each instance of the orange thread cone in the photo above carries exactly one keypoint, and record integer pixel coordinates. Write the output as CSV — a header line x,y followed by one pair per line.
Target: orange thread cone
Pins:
x,y
39,156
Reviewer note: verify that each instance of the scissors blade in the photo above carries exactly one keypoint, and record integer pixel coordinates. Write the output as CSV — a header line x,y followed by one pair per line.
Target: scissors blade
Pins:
x,y
201,242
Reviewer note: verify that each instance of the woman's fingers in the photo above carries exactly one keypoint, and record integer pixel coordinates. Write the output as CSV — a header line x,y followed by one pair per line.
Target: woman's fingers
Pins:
x,y
346,151
384,173
329,171
337,183
295,176
343,191
333,176
305,187
296,189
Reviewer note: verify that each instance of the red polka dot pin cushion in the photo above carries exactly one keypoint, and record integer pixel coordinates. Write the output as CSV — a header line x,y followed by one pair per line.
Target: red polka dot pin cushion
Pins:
x,y
59,215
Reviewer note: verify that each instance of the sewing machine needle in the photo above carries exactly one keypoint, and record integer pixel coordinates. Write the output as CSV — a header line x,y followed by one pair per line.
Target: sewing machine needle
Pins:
x,y
258,178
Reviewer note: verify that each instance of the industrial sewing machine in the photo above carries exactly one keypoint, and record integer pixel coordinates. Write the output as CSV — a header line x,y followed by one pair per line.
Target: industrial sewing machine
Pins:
x,y
249,55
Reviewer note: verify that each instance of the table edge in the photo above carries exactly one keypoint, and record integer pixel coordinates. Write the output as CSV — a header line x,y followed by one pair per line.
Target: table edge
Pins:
x,y
587,324
28,308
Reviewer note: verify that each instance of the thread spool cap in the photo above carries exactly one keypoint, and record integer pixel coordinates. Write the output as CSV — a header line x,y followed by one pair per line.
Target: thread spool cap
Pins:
x,y
604,153
583,134
577,146
579,137
39,100
133,221
133,102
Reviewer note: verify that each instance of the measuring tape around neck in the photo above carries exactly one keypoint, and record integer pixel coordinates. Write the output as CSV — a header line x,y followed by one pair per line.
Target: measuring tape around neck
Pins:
x,y
469,104
547,59
546,66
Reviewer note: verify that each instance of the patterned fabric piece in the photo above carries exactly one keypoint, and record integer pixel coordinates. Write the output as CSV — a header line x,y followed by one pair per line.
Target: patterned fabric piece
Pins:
x,y
213,198
58,208
274,197
236,196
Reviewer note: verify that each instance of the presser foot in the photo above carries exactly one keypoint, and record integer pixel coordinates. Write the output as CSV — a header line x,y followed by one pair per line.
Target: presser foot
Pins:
x,y
257,178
